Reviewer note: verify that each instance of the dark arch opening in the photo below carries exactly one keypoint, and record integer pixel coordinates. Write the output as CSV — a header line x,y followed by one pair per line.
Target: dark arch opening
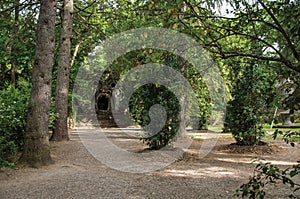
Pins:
x,y
102,103
113,85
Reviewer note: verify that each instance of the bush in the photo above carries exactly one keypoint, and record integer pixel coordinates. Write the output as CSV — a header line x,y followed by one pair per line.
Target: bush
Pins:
x,y
141,102
253,94
13,113
8,152
243,123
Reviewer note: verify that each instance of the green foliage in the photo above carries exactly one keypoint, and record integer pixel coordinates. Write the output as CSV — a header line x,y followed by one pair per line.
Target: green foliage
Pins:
x,y
252,94
17,40
52,115
140,103
13,113
203,99
267,173
8,152
290,137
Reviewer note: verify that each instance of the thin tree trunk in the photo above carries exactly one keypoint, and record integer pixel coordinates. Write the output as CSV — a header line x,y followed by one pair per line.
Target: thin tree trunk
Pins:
x,y
76,51
72,115
36,147
14,44
183,101
60,131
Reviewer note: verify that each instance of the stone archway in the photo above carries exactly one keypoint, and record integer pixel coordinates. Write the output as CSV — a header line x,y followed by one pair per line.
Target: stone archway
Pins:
x,y
106,105
103,98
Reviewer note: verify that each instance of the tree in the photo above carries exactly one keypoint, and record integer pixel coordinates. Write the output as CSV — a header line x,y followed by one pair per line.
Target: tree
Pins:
x,y
36,147
60,131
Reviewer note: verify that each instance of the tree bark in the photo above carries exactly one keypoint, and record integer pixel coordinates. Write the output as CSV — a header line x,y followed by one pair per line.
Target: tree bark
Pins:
x,y
60,131
36,147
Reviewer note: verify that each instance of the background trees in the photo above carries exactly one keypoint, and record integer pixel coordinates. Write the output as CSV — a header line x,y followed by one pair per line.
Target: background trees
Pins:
x,y
268,45
17,42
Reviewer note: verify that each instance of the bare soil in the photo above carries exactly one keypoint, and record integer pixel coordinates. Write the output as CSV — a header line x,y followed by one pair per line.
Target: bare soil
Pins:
x,y
77,174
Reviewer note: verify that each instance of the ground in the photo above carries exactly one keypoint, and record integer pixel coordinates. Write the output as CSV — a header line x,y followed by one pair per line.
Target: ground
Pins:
x,y
77,174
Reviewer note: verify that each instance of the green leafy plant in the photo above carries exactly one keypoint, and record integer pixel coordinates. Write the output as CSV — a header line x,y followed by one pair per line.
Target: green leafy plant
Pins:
x,y
252,95
8,152
52,115
13,114
267,173
140,103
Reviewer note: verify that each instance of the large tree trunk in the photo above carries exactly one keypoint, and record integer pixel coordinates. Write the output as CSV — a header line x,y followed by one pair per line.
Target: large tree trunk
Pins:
x,y
36,148
60,131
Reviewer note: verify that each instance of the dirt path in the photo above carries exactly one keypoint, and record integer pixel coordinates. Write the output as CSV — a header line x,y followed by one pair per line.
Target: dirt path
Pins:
x,y
77,174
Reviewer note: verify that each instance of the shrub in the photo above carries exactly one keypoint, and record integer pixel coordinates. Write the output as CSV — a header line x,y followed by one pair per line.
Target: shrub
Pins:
x,y
141,102
13,113
243,123
8,152
253,93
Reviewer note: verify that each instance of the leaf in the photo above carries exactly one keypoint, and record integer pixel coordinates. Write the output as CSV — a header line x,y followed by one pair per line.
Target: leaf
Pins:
x,y
293,173
292,144
265,169
144,35
150,4
170,10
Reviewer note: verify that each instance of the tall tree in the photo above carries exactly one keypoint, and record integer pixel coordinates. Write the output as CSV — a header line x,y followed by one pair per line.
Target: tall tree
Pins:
x,y
60,131
36,147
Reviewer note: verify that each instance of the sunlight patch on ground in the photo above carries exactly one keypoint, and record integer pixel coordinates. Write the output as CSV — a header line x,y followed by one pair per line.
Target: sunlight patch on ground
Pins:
x,y
217,172
240,160
250,161
276,162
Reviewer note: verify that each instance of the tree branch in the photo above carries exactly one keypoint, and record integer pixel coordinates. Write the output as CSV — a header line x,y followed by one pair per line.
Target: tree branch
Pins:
x,y
282,31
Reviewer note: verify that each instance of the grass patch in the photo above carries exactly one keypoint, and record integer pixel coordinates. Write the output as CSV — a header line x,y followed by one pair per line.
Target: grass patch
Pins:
x,y
267,127
216,128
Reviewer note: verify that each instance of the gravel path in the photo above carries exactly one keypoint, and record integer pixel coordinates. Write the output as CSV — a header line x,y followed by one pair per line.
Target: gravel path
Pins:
x,y
77,174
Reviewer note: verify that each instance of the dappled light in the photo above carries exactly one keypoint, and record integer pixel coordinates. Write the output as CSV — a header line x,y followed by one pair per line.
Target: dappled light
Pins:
x,y
217,172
